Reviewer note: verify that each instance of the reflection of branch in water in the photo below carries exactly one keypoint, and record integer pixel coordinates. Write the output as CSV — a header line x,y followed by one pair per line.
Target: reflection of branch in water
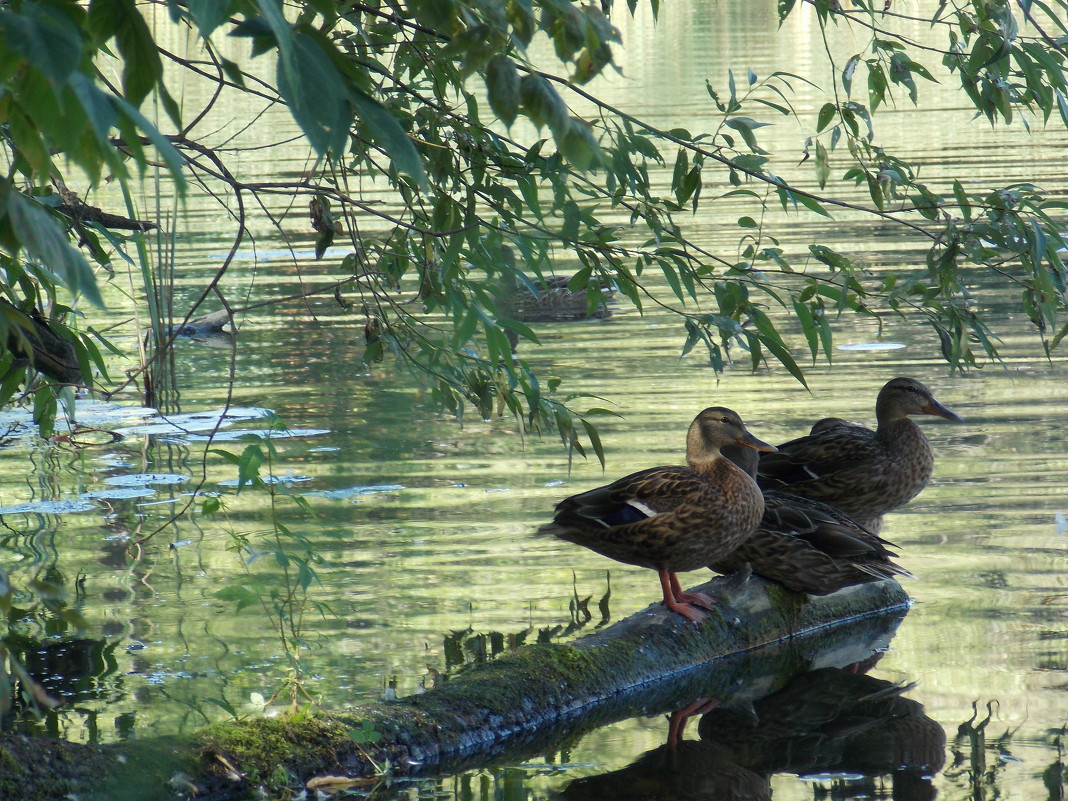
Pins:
x,y
970,748
1054,776
828,721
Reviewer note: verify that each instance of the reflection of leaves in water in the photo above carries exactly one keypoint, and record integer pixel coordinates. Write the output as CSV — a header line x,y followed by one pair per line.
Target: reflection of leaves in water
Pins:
x,y
464,647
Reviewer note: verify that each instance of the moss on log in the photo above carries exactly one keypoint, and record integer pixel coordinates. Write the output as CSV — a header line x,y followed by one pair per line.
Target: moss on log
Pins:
x,y
523,702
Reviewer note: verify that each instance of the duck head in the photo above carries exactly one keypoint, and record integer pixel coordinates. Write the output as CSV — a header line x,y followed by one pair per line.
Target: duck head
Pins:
x,y
717,427
901,397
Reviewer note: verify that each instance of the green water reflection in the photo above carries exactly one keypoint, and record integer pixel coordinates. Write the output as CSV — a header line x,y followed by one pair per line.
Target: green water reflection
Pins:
x,y
426,526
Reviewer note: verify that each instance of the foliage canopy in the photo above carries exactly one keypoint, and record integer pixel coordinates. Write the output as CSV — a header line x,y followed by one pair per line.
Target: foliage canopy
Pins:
x,y
493,177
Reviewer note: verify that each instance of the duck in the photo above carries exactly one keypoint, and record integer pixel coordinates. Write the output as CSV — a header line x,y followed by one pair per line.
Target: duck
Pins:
x,y
551,300
807,546
862,473
672,518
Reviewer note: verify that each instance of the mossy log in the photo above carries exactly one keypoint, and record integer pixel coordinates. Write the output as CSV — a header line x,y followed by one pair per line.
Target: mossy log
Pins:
x,y
532,698
529,701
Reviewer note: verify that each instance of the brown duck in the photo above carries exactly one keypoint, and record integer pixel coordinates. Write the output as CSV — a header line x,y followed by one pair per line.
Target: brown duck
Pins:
x,y
861,472
672,518
553,301
806,545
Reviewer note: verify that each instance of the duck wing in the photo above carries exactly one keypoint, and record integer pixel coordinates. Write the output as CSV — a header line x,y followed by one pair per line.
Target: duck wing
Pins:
x,y
633,498
815,457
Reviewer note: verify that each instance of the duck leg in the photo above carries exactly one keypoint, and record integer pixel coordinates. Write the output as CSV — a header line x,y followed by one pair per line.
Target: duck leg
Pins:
x,y
668,583
678,719
695,598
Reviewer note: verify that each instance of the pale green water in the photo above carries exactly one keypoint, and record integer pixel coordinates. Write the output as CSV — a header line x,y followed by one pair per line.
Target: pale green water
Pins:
x,y
426,526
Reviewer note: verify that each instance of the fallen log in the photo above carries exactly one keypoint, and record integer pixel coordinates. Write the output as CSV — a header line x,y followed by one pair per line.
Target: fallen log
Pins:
x,y
525,702
650,662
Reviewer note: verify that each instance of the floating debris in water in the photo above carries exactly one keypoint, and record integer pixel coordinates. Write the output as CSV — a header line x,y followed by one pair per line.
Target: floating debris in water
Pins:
x,y
138,479
283,433
288,478
118,494
354,491
48,508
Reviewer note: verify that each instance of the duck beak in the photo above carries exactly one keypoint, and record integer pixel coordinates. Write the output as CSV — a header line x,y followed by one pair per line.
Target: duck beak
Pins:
x,y
937,409
750,441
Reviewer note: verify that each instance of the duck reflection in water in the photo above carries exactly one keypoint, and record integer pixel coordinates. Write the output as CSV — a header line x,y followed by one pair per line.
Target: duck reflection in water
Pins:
x,y
831,723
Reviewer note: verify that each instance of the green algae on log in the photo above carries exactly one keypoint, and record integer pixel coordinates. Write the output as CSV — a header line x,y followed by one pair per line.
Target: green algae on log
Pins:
x,y
541,693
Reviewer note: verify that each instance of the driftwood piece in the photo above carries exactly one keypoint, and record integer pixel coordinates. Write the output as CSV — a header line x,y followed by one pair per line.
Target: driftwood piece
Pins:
x,y
529,701
211,323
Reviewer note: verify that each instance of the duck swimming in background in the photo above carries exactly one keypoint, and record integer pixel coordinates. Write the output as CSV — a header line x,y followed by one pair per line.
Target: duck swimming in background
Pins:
x,y
806,545
861,472
672,518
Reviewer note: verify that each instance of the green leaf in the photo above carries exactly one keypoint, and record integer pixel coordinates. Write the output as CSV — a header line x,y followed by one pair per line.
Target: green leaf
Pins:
x,y
579,146
47,243
962,200
99,110
44,411
315,94
390,136
208,14
366,733
248,465
502,86
520,328
823,165
141,67
541,102
771,339
750,162
848,72
876,84
808,327
174,160
595,441
46,37
826,114
745,126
